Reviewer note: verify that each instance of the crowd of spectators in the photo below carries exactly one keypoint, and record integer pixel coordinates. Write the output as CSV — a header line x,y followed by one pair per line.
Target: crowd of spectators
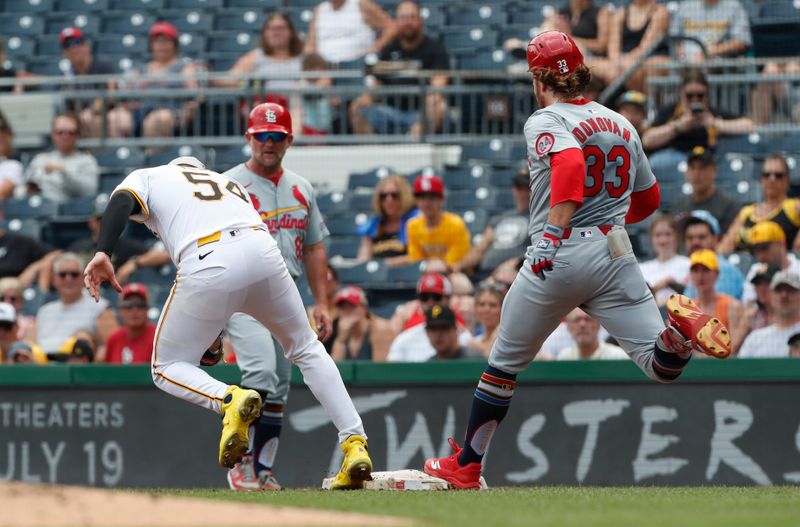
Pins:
x,y
456,307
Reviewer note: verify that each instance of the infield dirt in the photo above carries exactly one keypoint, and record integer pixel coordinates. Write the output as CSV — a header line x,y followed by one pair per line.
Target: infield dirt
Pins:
x,y
26,505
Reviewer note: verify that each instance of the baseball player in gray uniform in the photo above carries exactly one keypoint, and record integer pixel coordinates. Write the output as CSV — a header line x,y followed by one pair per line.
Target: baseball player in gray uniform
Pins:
x,y
589,177
286,203
226,262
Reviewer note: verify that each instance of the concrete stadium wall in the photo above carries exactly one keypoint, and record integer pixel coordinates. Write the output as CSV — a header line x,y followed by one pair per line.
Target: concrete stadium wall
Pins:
x,y
601,423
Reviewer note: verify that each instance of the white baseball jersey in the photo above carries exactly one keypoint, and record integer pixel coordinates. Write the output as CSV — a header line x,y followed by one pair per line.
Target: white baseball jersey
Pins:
x,y
288,208
182,204
615,161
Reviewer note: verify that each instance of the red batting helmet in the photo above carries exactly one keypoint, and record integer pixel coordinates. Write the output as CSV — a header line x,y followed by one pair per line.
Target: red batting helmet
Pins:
x,y
269,117
554,50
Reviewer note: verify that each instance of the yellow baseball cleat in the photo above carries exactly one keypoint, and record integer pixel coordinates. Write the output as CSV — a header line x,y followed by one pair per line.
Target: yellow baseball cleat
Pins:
x,y
356,467
239,408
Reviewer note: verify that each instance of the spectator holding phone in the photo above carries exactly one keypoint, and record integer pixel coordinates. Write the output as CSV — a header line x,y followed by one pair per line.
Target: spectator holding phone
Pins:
x,y
690,122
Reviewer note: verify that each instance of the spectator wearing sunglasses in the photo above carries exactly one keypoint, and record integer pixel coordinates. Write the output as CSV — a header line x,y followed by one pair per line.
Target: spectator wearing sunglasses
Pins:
x,y
776,207
11,292
701,174
689,122
435,234
65,173
412,343
132,343
74,309
384,235
92,112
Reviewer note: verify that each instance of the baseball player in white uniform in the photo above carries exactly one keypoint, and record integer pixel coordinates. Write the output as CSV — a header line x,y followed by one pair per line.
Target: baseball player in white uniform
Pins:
x,y
286,203
589,177
226,262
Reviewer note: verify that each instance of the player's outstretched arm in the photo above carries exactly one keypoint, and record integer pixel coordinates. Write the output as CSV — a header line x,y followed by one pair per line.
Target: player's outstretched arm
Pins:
x,y
99,270
121,205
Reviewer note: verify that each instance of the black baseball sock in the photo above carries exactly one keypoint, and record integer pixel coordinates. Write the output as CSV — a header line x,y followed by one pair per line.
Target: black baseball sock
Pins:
x,y
266,433
489,407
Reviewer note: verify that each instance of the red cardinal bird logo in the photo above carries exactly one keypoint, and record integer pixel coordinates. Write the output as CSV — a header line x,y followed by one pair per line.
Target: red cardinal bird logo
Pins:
x,y
300,198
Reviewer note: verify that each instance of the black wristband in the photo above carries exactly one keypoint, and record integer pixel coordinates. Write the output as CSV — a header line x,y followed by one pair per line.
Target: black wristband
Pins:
x,y
121,205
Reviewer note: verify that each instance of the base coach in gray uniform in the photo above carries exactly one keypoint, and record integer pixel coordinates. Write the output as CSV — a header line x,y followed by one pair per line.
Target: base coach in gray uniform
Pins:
x,y
286,203
588,177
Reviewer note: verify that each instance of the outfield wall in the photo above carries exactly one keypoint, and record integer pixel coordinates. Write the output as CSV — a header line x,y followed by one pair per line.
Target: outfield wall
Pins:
x,y
591,423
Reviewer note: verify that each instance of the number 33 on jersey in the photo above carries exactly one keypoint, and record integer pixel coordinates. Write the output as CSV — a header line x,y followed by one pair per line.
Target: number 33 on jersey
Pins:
x,y
615,161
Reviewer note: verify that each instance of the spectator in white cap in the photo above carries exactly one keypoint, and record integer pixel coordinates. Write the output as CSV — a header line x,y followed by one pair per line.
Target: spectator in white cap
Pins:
x,y
11,291
8,328
772,341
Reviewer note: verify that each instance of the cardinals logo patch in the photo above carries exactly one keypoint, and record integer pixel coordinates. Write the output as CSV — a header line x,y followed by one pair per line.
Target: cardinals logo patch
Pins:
x,y
544,143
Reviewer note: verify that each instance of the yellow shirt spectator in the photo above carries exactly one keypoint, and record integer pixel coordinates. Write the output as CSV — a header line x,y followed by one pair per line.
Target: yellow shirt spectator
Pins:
x,y
449,240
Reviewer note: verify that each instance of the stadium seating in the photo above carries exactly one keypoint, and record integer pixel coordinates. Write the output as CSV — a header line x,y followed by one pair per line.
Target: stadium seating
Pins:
x,y
334,203
27,208
81,207
31,228
247,21
120,157
479,16
137,22
83,6
344,246
137,5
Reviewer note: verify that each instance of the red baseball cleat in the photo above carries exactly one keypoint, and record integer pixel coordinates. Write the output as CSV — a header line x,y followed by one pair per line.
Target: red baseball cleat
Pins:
x,y
707,334
447,468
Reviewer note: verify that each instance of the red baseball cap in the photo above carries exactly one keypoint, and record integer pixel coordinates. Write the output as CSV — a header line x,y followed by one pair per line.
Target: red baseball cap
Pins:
x,y
135,288
269,117
70,32
352,295
164,28
428,185
434,283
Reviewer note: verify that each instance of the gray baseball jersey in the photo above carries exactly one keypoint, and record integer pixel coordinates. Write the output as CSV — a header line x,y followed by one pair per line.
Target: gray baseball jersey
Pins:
x,y
288,209
615,162
594,268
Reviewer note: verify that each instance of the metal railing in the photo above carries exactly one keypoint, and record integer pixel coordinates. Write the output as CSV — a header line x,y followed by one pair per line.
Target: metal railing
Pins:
x,y
477,103
489,103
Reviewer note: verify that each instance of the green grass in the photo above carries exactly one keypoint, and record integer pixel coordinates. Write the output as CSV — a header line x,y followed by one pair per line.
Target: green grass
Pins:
x,y
552,506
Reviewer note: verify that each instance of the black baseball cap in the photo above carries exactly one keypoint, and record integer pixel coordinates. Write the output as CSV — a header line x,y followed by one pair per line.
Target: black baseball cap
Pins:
x,y
439,317
764,272
703,153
